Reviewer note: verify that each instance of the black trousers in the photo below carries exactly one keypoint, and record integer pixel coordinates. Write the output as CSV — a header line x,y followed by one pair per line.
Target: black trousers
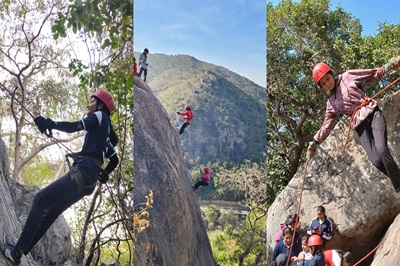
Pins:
x,y
183,128
373,136
52,201
144,71
200,183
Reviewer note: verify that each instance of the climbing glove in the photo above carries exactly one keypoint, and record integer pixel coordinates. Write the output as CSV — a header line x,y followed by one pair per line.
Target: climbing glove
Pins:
x,y
311,150
103,176
393,64
44,124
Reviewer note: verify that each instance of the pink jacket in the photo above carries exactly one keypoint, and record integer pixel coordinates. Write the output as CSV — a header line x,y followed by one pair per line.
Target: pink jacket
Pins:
x,y
206,177
348,94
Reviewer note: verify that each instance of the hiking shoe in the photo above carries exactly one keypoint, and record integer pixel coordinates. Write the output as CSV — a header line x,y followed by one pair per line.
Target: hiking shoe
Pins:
x,y
10,254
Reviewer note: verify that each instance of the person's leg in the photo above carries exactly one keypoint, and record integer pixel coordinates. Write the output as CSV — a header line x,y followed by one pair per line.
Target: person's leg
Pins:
x,y
140,72
281,259
47,205
364,131
379,132
145,74
183,128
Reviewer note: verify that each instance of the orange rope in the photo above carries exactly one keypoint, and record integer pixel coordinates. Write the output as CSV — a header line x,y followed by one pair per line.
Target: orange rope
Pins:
x,y
364,103
372,251
298,212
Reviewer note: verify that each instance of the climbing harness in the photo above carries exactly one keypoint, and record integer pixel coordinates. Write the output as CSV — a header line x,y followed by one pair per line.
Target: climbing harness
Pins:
x,y
364,103
298,211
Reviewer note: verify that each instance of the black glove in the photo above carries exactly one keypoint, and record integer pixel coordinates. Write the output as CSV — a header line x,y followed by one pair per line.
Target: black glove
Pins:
x,y
44,124
103,176
39,123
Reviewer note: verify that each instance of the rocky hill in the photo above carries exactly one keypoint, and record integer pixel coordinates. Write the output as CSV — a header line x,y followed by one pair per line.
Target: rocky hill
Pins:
x,y
229,123
177,234
359,199
15,203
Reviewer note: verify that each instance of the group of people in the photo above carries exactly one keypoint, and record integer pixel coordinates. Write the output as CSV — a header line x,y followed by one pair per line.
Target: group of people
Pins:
x,y
99,143
310,249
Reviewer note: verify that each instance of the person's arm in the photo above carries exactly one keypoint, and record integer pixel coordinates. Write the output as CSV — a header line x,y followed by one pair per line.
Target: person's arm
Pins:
x,y
327,233
47,124
276,252
327,126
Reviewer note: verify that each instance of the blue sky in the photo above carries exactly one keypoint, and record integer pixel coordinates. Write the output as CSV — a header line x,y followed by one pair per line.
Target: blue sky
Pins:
x,y
228,33
368,12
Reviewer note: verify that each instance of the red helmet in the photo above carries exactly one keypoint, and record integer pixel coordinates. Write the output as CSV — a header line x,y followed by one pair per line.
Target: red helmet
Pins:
x,y
314,240
106,98
319,71
187,107
207,170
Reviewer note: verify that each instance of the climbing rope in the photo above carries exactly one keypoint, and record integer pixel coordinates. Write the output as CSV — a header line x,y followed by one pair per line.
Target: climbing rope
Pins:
x,y
364,103
298,211
372,251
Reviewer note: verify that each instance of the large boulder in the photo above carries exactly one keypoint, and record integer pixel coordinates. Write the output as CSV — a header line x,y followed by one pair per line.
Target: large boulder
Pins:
x,y
359,199
177,234
15,204
10,227
388,252
55,246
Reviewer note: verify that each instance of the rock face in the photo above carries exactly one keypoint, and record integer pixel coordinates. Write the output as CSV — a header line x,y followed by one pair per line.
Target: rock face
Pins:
x,y
177,235
55,246
388,252
359,199
15,203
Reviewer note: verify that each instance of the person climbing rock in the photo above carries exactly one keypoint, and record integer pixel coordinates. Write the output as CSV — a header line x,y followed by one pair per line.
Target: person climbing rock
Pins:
x,y
205,179
347,93
282,249
188,115
317,252
80,181
321,226
143,64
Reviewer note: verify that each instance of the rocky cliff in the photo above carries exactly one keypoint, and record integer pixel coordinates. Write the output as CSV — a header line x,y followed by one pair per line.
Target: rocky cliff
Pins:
x,y
359,199
15,203
229,110
177,235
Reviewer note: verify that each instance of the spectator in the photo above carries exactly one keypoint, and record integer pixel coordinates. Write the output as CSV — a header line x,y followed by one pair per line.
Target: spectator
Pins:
x,y
143,64
321,226
282,249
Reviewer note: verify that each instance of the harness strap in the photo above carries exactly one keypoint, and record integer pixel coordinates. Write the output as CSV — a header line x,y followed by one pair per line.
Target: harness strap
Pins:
x,y
76,175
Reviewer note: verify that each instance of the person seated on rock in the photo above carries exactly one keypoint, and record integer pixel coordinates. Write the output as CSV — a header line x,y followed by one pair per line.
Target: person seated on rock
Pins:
x,y
346,96
305,254
188,115
336,257
321,225
281,251
51,201
317,251
291,223
205,179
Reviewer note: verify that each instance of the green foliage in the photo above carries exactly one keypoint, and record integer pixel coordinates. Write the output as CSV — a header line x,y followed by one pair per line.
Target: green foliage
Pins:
x,y
37,173
211,215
